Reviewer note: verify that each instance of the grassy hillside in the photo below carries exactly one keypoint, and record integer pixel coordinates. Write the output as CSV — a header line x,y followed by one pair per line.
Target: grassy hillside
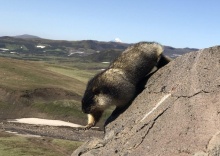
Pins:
x,y
12,145
40,89
44,89
25,75
50,90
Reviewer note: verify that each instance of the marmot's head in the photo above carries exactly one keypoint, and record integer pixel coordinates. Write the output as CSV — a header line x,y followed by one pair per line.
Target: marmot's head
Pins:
x,y
95,100
96,97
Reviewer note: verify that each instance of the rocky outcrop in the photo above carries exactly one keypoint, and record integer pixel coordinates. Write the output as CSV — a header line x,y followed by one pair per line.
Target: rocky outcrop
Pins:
x,y
178,113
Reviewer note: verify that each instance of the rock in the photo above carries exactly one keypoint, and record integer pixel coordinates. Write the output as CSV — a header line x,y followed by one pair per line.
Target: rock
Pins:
x,y
178,113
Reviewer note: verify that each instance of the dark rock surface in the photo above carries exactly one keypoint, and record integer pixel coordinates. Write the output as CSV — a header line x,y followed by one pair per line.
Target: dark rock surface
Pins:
x,y
178,113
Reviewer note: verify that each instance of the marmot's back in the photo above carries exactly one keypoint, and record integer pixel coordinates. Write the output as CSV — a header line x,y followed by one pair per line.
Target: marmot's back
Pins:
x,y
138,60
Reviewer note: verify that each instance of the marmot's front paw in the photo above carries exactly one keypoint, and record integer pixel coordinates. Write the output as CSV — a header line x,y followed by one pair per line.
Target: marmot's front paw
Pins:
x,y
88,126
91,122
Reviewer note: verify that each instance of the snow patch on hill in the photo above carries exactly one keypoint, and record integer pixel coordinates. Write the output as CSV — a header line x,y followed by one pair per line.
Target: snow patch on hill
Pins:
x,y
38,121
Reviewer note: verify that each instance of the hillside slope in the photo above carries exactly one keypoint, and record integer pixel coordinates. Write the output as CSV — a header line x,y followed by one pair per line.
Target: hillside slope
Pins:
x,y
29,89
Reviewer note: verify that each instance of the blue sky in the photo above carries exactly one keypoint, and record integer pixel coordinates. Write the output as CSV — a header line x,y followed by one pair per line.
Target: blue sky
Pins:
x,y
185,23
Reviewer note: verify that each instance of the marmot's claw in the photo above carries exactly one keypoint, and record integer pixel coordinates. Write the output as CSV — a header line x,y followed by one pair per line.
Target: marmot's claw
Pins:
x,y
88,126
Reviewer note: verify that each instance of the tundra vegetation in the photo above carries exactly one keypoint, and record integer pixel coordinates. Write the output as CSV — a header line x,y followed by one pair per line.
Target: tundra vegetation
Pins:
x,y
35,89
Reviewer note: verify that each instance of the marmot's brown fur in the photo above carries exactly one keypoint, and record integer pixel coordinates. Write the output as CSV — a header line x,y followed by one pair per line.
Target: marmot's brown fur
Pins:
x,y
117,85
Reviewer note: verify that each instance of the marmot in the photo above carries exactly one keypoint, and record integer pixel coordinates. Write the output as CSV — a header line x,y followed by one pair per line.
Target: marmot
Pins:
x,y
117,85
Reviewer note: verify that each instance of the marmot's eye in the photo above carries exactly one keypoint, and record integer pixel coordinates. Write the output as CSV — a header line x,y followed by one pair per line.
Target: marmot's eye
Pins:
x,y
96,91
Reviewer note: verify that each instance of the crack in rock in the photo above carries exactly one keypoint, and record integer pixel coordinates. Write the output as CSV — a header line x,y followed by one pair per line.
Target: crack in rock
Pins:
x,y
149,129
154,121
190,96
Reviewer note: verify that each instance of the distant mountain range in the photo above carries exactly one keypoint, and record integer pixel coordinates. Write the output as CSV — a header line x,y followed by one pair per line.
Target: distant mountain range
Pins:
x,y
26,36
86,49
